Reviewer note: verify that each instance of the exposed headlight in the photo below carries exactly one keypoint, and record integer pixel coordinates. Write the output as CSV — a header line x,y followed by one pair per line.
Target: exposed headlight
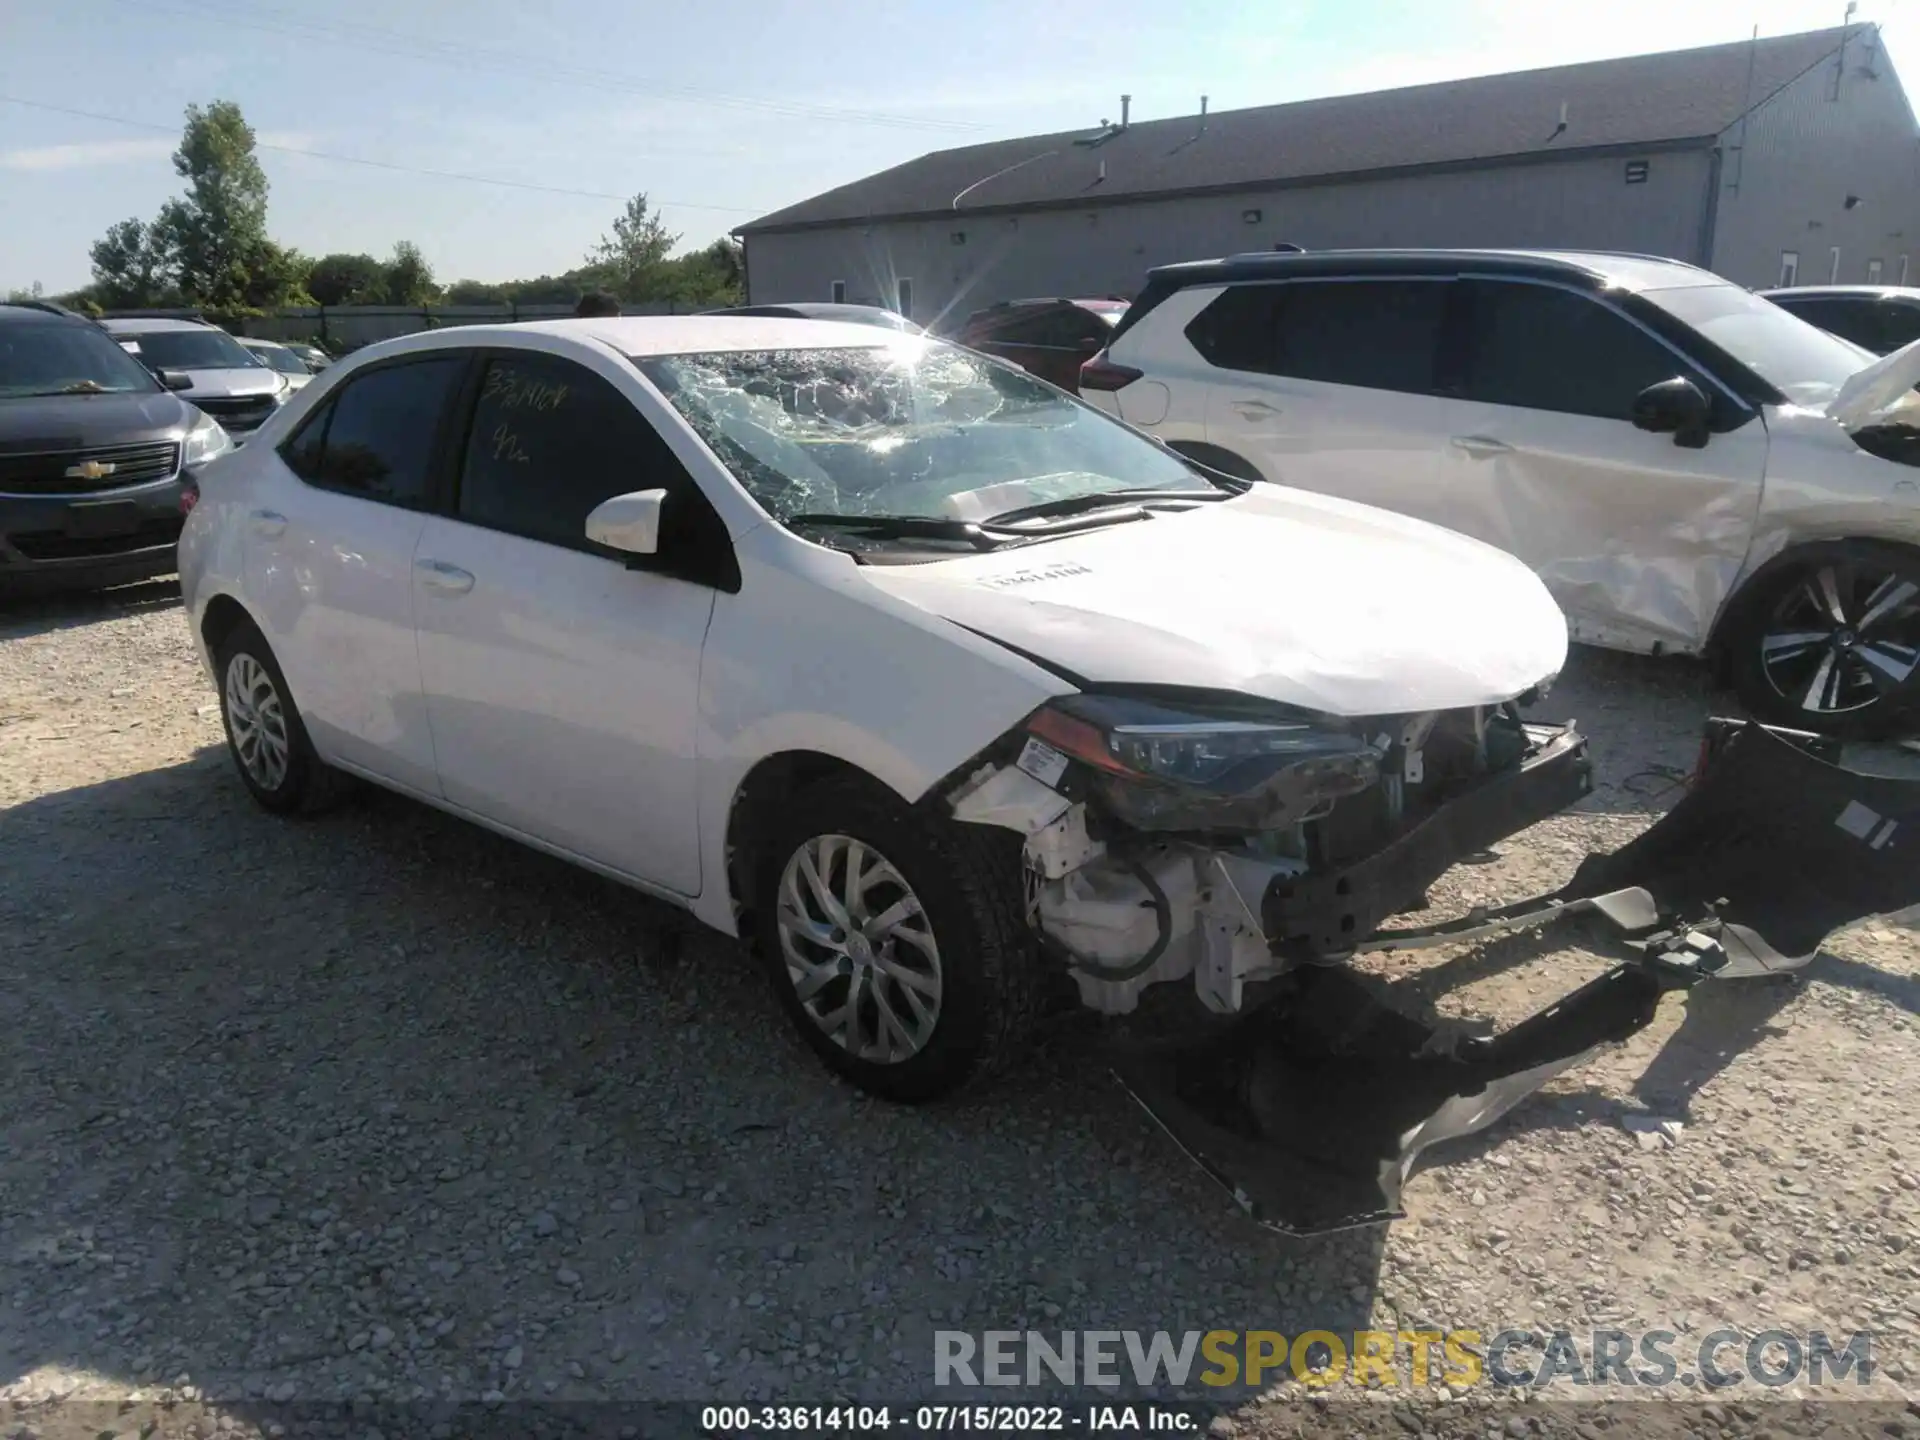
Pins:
x,y
204,441
1163,768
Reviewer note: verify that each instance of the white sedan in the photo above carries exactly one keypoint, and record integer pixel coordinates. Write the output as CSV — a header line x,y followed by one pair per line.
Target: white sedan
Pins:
x,y
918,674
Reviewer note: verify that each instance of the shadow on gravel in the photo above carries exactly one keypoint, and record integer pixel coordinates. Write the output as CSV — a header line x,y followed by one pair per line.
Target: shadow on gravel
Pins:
x,y
381,1105
37,614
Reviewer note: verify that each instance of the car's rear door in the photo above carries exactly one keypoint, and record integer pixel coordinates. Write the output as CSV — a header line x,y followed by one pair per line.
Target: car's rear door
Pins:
x,y
1328,384
1640,539
561,682
329,561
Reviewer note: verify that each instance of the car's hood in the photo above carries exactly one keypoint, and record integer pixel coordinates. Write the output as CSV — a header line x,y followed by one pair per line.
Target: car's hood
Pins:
x,y
1300,598
67,422
1877,389
231,383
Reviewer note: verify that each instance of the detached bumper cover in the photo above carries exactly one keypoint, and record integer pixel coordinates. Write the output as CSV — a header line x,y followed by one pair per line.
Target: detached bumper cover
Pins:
x,y
1312,1109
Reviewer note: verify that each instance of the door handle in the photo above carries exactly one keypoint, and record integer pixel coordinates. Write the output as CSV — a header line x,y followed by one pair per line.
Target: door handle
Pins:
x,y
1255,409
447,579
270,523
1481,445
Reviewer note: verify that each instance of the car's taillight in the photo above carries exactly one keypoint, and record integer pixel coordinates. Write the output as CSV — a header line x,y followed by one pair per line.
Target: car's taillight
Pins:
x,y
189,495
1100,373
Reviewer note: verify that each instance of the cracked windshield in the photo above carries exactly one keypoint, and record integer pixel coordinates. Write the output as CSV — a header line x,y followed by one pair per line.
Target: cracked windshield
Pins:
x,y
913,429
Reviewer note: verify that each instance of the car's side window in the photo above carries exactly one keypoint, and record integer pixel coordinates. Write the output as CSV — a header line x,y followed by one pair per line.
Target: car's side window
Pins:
x,y
1375,334
1537,347
1899,325
374,436
1059,329
1857,321
550,440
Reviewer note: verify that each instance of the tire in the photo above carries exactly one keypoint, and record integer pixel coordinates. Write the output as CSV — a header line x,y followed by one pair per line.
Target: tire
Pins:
x,y
968,950
1827,639
265,735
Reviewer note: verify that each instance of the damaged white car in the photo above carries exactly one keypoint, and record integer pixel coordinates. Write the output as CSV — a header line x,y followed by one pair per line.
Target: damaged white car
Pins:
x,y
938,686
1689,468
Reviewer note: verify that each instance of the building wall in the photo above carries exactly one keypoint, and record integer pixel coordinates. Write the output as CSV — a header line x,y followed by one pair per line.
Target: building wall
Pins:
x,y
960,262
1785,181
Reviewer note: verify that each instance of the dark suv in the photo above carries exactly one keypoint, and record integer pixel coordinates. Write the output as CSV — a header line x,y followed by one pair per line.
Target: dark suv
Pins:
x,y
93,447
1048,338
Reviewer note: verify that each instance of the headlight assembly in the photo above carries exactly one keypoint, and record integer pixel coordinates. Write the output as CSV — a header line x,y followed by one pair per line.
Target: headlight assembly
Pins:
x,y
1164,768
204,441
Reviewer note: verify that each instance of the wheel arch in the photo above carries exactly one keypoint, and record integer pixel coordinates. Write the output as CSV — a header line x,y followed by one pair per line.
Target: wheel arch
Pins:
x,y
772,781
221,617
1753,587
1217,457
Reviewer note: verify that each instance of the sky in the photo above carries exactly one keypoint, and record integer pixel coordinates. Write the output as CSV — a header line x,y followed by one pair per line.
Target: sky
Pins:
x,y
719,112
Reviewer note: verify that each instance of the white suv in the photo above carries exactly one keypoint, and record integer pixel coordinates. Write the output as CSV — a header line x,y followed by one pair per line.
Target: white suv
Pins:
x,y
1688,467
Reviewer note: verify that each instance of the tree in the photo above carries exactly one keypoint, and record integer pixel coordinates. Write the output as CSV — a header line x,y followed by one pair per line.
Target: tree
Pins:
x,y
407,279
130,267
217,232
341,279
629,260
34,291
476,292
276,276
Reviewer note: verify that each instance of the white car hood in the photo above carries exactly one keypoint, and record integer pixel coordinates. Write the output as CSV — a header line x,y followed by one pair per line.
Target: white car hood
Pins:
x,y
1881,387
1304,599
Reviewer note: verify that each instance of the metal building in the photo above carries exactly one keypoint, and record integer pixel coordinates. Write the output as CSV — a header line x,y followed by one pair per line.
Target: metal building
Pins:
x,y
1788,160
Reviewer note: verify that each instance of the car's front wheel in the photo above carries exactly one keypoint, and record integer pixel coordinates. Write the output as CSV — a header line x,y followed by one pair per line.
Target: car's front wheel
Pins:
x,y
1829,641
264,732
897,942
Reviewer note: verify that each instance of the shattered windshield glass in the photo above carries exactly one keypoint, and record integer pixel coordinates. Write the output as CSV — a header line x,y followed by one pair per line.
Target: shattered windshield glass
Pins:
x,y
909,428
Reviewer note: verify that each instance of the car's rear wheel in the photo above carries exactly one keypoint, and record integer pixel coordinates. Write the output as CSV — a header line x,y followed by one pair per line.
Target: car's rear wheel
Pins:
x,y
1830,642
265,735
896,941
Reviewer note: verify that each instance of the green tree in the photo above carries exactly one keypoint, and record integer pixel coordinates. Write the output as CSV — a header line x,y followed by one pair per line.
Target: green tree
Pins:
x,y
130,268
276,276
341,279
628,262
217,232
407,279
476,292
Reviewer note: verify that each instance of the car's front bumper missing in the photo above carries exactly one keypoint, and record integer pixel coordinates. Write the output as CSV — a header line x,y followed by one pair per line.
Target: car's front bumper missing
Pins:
x,y
1312,1107
1326,913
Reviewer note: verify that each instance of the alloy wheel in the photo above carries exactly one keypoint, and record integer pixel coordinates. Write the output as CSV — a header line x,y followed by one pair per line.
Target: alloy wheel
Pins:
x,y
1845,637
257,721
858,949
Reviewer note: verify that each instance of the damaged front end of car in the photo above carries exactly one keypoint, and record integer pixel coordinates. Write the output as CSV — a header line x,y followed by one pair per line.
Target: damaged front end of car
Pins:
x,y
1248,850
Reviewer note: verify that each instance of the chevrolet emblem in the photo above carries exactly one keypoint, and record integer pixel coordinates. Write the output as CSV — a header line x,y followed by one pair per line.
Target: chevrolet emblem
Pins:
x,y
91,470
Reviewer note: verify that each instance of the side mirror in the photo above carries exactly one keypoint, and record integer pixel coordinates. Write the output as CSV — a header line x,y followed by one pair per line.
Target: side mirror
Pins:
x,y
630,523
1675,407
175,379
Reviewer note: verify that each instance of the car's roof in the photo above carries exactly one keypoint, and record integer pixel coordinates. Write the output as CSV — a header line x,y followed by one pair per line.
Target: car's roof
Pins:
x,y
1870,292
254,342
1594,267
153,326
39,314
643,335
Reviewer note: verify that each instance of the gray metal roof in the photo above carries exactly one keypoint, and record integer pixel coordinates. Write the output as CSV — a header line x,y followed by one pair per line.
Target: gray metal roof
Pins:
x,y
1641,101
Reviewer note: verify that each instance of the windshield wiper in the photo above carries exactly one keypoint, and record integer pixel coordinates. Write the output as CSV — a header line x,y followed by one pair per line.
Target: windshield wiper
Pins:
x,y
890,527
1105,500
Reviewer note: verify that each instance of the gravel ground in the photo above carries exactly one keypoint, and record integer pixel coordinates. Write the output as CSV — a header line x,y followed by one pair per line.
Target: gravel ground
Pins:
x,y
381,1107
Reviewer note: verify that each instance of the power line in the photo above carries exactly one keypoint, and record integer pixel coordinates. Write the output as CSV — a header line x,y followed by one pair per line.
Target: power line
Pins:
x,y
381,164
414,47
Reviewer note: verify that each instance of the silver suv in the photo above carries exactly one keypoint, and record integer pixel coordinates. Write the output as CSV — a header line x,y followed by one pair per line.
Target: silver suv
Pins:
x,y
224,378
